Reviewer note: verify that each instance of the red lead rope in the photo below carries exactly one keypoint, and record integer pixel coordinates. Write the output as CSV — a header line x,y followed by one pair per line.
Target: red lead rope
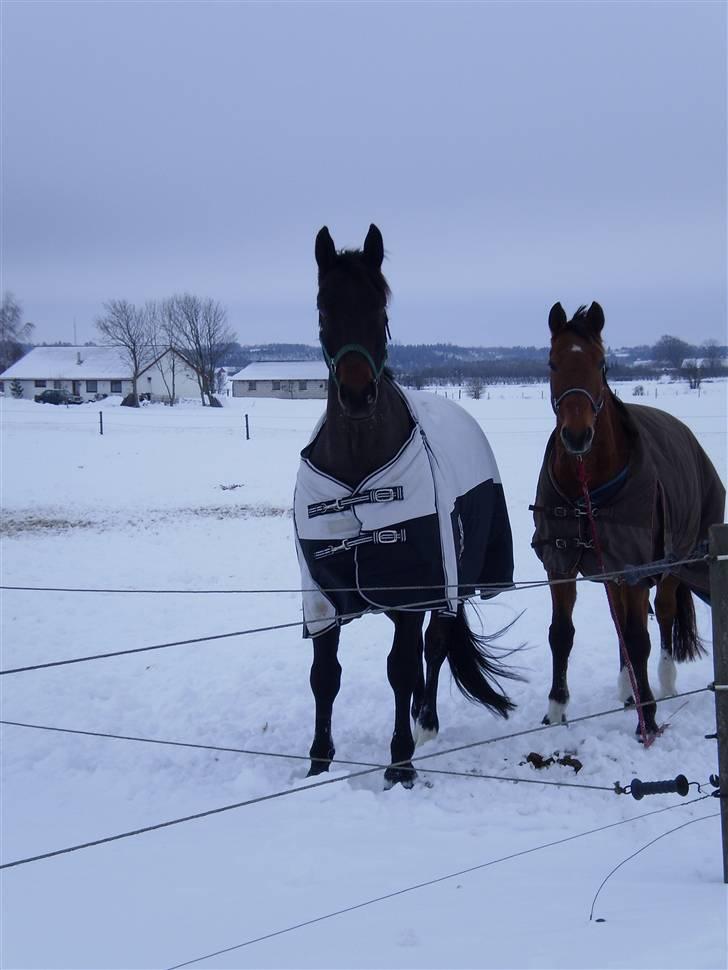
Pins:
x,y
581,473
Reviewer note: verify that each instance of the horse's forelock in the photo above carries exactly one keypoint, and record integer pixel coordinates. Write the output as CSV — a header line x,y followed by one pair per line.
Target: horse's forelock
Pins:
x,y
353,263
579,325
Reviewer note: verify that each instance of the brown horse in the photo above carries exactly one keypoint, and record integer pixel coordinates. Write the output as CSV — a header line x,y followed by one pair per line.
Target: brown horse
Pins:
x,y
654,494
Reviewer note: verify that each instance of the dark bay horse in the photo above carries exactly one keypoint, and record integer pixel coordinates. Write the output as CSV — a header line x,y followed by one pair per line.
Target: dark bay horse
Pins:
x,y
654,494
376,524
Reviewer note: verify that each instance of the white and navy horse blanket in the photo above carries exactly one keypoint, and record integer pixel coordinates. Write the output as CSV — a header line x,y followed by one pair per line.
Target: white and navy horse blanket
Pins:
x,y
424,530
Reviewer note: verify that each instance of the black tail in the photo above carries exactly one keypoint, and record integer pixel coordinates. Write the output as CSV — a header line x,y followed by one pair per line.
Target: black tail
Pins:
x,y
686,644
474,670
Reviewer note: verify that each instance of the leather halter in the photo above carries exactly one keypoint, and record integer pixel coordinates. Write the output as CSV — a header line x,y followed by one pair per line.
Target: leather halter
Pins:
x,y
596,405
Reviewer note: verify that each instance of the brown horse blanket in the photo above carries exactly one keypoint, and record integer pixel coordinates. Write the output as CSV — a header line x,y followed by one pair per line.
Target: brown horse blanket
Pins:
x,y
661,505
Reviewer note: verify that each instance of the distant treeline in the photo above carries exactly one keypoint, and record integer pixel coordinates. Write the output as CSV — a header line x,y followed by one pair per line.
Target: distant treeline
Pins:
x,y
420,364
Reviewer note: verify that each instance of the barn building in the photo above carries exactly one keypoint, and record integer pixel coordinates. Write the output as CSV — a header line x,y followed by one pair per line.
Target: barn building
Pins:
x,y
292,379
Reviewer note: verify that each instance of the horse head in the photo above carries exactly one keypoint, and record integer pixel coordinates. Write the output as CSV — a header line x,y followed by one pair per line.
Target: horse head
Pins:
x,y
578,375
353,326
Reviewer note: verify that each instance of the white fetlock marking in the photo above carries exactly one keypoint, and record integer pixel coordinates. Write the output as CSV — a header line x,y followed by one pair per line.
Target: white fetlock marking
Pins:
x,y
423,735
557,712
624,685
667,672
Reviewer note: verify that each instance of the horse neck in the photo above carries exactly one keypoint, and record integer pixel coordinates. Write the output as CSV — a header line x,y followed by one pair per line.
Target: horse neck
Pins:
x,y
605,460
351,450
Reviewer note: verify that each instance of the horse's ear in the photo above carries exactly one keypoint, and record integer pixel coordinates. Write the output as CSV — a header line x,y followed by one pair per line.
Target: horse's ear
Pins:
x,y
595,317
325,250
374,247
557,318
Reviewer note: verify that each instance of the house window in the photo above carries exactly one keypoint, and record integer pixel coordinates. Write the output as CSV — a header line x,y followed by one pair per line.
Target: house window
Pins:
x,y
252,385
2,387
302,385
57,385
276,385
92,387
116,387
40,383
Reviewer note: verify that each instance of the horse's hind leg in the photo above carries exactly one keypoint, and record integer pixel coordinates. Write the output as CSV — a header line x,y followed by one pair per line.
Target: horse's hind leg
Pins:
x,y
665,610
436,643
561,640
325,683
403,665
631,608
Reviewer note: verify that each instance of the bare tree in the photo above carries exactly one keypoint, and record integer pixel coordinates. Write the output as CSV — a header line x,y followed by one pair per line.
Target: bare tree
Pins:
x,y
164,336
127,327
12,331
205,339
475,387
693,373
671,349
713,355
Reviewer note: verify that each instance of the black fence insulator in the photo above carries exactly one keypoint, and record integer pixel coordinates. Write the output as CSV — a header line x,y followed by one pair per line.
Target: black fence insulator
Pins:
x,y
711,737
638,789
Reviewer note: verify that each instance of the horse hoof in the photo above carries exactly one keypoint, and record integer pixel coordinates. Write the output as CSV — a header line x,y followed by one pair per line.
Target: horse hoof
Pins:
x,y
404,775
652,733
317,768
629,703
423,734
547,720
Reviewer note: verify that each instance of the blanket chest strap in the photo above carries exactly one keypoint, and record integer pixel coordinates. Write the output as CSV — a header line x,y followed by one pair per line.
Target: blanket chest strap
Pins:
x,y
380,537
394,493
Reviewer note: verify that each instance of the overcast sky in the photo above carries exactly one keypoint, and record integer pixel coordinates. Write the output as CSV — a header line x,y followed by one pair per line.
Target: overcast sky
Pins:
x,y
513,154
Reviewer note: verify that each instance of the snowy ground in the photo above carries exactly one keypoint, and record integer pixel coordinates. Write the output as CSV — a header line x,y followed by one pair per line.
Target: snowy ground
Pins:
x,y
152,504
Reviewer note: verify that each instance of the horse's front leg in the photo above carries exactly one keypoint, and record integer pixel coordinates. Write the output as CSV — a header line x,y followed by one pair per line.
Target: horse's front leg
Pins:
x,y
561,640
404,669
632,603
325,683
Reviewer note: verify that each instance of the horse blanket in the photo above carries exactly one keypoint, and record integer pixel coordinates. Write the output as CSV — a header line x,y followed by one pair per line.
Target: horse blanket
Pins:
x,y
433,519
659,507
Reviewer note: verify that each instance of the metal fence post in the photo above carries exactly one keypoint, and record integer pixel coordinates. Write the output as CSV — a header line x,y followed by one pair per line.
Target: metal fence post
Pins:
x,y
719,604
101,422
247,429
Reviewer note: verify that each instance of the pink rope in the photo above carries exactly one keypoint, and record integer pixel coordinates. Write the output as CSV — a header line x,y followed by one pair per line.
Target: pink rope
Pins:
x,y
581,474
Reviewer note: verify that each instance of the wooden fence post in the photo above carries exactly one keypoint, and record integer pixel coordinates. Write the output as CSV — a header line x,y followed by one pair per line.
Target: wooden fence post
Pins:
x,y
101,422
719,601
247,429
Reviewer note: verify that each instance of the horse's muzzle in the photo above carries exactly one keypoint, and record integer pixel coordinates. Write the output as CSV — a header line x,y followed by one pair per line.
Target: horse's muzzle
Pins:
x,y
359,403
577,443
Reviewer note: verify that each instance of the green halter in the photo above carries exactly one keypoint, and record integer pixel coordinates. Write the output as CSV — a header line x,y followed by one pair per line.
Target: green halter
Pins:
x,y
333,362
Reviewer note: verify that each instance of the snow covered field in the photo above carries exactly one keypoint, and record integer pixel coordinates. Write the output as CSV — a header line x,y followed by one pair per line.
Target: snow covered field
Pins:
x,y
178,499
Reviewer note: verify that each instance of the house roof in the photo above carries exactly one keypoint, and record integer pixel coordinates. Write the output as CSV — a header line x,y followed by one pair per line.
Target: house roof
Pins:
x,y
61,363
284,370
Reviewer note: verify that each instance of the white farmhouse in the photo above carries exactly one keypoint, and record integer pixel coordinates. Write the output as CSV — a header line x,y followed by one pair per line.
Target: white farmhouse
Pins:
x,y
282,378
95,372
